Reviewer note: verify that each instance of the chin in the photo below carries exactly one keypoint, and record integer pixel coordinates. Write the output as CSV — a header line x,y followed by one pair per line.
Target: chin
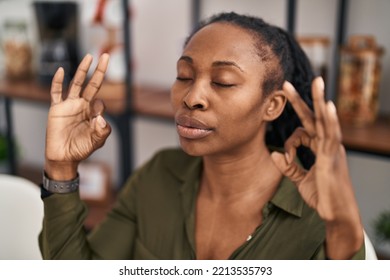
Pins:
x,y
192,151
194,148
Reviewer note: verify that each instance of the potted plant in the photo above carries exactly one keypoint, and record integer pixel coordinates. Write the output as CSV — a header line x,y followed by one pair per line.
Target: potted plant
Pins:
x,y
381,227
3,154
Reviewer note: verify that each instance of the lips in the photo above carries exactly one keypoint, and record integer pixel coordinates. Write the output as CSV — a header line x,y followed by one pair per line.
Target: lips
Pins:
x,y
192,128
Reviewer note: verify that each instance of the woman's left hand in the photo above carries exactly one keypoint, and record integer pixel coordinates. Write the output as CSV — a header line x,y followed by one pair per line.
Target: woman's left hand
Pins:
x,y
327,186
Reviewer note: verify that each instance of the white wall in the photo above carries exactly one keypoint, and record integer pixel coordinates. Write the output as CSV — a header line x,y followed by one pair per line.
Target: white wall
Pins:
x,y
273,11
371,179
159,28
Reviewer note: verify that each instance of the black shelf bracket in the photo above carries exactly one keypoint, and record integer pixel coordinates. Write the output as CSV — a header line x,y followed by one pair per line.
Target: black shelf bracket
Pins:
x,y
340,37
124,122
291,16
11,156
195,12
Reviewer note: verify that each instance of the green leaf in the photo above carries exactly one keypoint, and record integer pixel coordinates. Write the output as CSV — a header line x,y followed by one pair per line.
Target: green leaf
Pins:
x,y
382,226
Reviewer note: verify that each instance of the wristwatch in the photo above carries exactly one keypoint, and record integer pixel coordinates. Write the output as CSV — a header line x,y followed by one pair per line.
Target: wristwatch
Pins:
x,y
60,186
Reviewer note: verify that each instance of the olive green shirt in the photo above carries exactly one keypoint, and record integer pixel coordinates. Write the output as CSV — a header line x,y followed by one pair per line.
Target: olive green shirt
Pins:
x,y
154,218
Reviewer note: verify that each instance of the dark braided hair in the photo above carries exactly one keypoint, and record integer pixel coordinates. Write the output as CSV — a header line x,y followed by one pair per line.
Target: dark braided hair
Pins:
x,y
273,43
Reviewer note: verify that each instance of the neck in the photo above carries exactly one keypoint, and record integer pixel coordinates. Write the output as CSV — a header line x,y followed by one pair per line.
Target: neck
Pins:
x,y
240,175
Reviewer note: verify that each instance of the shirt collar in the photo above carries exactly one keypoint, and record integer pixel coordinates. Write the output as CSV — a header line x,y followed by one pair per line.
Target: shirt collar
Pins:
x,y
288,198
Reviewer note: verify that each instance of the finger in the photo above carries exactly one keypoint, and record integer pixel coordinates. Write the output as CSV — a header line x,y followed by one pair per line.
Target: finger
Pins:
x,y
333,131
56,86
304,113
298,138
319,106
101,131
97,78
79,78
97,107
292,171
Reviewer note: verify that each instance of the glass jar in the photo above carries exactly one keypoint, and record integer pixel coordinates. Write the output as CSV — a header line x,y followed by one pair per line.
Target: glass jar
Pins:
x,y
360,72
317,50
17,50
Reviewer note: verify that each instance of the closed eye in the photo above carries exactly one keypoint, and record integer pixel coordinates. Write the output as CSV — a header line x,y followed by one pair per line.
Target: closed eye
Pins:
x,y
223,85
183,79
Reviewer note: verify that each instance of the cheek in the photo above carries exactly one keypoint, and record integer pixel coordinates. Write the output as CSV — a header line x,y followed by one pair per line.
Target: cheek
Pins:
x,y
243,113
176,96
240,127
243,122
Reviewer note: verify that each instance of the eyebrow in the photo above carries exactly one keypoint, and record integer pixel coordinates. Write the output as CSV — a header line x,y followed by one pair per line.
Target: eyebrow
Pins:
x,y
226,63
187,59
215,64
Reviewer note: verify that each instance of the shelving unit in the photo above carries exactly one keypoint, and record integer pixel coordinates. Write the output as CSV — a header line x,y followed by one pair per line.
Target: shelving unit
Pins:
x,y
129,101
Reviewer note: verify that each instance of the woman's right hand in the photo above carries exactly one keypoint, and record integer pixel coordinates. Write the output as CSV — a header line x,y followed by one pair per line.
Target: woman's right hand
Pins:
x,y
75,127
326,186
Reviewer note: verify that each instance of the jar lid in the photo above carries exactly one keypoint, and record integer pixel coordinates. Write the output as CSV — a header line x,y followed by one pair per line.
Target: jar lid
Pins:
x,y
312,40
362,44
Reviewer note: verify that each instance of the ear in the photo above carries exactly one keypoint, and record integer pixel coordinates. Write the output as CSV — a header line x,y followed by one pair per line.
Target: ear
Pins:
x,y
274,105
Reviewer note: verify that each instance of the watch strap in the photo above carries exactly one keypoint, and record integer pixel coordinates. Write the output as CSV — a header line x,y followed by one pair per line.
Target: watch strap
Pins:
x,y
61,187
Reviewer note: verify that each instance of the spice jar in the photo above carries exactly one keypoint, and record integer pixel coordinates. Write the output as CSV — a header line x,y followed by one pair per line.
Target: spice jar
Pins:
x,y
17,50
360,72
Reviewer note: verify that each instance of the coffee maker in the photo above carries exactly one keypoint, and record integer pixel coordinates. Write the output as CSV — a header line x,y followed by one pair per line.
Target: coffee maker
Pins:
x,y
58,34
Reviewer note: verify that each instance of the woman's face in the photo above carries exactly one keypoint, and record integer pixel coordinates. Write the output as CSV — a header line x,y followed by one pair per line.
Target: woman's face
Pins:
x,y
217,96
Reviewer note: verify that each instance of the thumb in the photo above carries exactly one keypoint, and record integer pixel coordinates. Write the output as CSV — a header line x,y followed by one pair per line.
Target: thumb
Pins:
x,y
291,170
101,131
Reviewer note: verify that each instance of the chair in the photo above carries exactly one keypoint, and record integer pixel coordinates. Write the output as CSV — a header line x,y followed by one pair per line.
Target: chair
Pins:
x,y
370,250
21,215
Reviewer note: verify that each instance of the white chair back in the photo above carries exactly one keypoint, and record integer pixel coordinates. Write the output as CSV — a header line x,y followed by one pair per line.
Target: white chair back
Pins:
x,y
370,250
21,215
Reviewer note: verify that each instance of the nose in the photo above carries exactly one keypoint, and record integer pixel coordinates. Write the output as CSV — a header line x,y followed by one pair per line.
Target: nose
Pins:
x,y
196,98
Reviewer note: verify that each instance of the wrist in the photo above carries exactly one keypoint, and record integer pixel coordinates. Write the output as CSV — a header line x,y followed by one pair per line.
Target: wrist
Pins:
x,y
343,240
61,171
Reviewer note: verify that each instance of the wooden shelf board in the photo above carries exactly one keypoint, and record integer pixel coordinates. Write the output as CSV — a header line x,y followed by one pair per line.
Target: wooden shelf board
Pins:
x,y
155,102
149,100
373,138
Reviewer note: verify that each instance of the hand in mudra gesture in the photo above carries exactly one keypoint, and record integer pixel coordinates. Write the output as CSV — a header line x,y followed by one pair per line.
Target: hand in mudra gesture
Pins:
x,y
326,187
75,127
